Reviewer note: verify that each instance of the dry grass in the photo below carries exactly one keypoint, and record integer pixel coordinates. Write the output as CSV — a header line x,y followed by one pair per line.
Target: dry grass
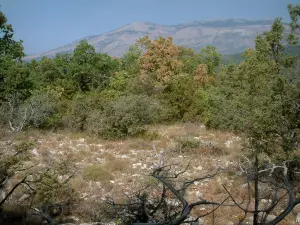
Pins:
x,y
108,156
96,173
116,165
105,177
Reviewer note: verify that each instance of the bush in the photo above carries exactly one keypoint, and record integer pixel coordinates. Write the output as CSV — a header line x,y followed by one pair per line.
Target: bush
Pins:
x,y
4,115
183,99
45,109
96,173
186,144
81,108
126,116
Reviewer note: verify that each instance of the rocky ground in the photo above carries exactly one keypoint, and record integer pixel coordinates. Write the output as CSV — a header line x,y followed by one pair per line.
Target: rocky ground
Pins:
x,y
123,166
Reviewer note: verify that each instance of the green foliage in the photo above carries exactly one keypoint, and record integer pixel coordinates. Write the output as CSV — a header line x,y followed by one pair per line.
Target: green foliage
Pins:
x,y
127,116
294,11
52,186
182,99
190,60
186,144
8,46
15,80
89,69
255,99
210,57
81,108
46,108
46,72
270,46
131,61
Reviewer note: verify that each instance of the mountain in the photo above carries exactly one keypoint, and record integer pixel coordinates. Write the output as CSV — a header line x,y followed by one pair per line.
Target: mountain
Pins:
x,y
229,36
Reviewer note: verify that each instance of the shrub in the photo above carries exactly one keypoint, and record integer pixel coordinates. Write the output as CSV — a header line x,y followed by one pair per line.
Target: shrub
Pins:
x,y
183,99
81,108
4,116
96,173
45,109
126,116
52,185
186,144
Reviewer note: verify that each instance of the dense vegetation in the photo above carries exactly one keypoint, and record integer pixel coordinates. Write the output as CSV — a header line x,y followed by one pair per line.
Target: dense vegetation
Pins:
x,y
159,82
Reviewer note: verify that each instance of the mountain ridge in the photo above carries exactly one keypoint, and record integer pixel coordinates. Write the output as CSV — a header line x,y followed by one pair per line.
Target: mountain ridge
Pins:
x,y
229,36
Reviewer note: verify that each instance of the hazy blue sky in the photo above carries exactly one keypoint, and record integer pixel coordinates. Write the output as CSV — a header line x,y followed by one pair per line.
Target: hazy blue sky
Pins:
x,y
47,24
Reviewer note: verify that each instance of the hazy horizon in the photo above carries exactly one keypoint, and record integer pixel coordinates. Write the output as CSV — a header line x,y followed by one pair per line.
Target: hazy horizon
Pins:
x,y
45,25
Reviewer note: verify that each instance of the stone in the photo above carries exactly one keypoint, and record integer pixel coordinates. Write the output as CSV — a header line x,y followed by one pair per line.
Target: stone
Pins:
x,y
298,218
81,140
199,222
199,168
35,152
135,165
199,194
228,143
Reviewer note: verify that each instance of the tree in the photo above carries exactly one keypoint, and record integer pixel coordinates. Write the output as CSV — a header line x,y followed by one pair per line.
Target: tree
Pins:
x,y
211,58
255,99
15,83
11,52
131,61
160,62
89,69
8,46
294,11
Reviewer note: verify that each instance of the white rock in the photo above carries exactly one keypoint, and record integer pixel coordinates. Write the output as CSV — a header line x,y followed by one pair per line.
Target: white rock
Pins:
x,y
35,152
199,168
135,165
144,166
228,143
298,218
136,175
199,194
100,160
81,140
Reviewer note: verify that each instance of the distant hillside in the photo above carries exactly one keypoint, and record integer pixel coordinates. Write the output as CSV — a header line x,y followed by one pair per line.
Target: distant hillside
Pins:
x,y
237,58
229,36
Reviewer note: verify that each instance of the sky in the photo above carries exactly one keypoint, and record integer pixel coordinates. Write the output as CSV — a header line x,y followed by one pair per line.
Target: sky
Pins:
x,y
47,24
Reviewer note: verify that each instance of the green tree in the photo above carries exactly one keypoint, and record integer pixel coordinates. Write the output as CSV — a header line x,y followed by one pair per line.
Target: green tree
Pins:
x,y
211,58
89,69
255,99
131,61
12,74
294,11
8,46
